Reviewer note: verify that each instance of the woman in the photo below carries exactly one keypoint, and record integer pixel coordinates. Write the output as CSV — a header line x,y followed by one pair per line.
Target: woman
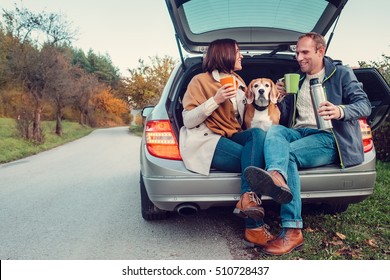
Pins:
x,y
212,135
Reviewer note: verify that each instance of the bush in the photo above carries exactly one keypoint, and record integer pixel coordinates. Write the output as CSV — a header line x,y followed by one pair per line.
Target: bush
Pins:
x,y
381,141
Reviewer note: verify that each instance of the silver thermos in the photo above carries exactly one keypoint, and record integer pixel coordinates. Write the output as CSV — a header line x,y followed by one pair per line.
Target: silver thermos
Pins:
x,y
317,96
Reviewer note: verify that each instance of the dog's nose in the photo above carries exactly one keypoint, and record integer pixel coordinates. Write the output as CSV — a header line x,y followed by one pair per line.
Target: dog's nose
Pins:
x,y
261,91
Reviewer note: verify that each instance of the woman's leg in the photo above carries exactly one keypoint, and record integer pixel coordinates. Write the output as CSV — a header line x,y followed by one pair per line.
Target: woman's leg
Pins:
x,y
252,155
227,156
243,149
252,152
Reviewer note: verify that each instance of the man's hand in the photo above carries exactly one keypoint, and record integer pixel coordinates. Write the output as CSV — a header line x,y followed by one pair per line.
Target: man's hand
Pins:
x,y
329,111
281,88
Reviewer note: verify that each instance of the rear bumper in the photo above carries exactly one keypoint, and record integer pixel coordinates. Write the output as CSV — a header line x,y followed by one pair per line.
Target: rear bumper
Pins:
x,y
169,193
169,184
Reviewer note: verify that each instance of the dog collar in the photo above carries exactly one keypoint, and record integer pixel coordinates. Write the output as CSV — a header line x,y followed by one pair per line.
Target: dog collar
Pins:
x,y
259,108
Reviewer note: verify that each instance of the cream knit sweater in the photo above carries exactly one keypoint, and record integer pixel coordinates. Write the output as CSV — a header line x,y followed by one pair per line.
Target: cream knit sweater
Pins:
x,y
306,117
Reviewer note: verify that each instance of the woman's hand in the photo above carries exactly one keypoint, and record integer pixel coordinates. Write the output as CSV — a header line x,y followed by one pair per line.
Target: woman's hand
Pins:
x,y
225,92
329,111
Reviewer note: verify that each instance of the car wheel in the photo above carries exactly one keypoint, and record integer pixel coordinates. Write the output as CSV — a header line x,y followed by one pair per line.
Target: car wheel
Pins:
x,y
335,208
149,211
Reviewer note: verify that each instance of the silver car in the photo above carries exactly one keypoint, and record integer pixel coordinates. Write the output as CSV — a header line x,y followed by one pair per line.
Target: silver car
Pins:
x,y
267,33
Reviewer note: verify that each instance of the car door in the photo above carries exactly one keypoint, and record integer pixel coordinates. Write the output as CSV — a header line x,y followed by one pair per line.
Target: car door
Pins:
x,y
378,92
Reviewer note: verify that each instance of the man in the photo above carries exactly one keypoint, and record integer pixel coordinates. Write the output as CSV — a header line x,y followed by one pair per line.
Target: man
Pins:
x,y
299,144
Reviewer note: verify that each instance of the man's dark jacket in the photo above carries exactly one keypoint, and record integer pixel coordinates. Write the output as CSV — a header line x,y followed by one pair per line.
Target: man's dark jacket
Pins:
x,y
342,88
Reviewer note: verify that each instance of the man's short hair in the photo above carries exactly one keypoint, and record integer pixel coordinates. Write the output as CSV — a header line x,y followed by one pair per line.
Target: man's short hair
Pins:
x,y
318,39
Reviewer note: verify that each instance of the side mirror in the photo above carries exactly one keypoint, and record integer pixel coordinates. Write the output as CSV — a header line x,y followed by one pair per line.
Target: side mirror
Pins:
x,y
145,113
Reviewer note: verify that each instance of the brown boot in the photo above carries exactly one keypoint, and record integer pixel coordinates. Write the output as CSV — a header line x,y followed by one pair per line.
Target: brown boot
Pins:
x,y
288,240
249,207
257,236
271,184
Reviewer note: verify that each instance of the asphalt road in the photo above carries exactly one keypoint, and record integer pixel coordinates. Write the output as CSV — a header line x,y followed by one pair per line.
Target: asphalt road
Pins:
x,y
81,201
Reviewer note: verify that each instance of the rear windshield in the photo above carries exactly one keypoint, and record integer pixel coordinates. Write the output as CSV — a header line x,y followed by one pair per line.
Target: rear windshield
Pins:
x,y
295,15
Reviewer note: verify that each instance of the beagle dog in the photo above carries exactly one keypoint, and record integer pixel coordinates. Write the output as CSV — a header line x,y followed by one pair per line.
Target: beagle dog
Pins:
x,y
261,109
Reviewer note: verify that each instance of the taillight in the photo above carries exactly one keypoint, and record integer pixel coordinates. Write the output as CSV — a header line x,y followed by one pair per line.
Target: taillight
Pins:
x,y
161,141
368,143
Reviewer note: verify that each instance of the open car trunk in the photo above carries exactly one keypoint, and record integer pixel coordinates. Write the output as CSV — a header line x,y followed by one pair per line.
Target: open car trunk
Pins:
x,y
274,67
199,22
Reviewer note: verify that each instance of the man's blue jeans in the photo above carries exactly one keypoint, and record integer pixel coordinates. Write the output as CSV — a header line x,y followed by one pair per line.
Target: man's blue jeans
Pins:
x,y
287,150
236,153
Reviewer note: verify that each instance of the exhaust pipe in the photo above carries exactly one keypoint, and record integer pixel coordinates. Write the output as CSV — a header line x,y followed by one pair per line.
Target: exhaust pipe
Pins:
x,y
187,209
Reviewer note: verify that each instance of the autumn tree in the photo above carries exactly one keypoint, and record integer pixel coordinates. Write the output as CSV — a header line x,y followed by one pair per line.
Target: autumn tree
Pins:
x,y
109,110
146,82
26,65
60,88
3,58
3,79
87,85
9,84
27,62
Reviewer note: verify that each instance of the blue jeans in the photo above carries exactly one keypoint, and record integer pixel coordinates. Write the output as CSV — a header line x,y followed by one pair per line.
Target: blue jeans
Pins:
x,y
287,150
234,154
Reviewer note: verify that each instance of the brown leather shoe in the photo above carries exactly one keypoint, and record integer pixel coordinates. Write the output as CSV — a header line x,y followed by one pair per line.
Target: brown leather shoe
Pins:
x,y
288,240
257,236
271,184
248,207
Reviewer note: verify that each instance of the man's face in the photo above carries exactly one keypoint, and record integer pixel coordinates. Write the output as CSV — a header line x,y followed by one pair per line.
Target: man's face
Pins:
x,y
308,57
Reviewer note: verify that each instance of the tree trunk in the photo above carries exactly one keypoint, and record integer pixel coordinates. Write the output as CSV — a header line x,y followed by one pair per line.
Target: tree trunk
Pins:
x,y
82,118
58,122
37,132
85,117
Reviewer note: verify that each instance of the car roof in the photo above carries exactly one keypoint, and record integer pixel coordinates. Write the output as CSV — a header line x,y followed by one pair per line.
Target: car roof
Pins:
x,y
254,24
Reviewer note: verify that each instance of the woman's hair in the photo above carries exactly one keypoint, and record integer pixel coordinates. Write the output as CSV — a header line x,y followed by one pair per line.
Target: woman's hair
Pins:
x,y
318,39
221,55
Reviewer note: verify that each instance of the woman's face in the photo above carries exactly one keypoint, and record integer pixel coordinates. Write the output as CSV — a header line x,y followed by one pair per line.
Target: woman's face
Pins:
x,y
239,56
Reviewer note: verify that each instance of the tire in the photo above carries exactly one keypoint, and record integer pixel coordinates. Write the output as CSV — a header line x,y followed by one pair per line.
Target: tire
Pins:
x,y
148,210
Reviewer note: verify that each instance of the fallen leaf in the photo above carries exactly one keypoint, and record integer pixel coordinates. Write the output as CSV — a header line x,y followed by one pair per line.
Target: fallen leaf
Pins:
x,y
356,254
343,251
372,243
336,243
309,229
340,235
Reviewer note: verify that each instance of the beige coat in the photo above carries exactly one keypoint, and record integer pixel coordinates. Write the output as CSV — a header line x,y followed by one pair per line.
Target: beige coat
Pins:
x,y
197,141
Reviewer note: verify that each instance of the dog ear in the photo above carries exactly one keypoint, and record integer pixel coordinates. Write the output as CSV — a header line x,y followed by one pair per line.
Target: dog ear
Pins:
x,y
274,95
249,94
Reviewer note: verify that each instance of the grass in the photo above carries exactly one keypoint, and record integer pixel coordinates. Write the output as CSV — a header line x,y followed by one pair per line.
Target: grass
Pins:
x,y
136,130
362,232
13,147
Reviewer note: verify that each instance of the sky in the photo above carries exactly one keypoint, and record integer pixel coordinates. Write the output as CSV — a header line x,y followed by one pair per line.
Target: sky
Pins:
x,y
129,30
